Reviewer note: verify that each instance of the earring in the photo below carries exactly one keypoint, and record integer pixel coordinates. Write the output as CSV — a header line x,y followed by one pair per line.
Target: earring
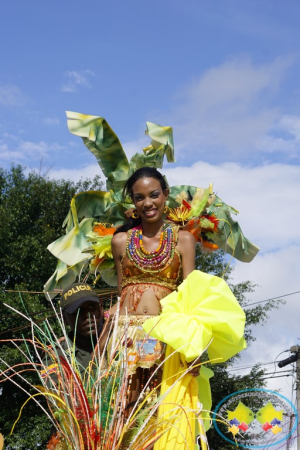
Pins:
x,y
135,214
166,209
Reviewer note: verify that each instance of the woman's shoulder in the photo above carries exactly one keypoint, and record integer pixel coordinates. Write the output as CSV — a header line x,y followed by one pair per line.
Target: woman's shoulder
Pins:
x,y
185,238
186,247
183,234
118,244
119,238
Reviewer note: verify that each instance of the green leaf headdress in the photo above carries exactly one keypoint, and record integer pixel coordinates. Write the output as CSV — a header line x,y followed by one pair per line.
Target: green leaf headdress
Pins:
x,y
195,209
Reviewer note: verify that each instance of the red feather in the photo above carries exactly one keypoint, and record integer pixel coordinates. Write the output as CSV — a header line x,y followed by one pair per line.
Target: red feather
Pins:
x,y
81,407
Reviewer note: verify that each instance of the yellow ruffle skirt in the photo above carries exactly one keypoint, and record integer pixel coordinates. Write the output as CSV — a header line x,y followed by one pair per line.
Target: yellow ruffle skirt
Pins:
x,y
202,314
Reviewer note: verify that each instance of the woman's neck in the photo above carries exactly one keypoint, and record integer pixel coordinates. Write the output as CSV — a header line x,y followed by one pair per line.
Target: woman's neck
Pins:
x,y
152,229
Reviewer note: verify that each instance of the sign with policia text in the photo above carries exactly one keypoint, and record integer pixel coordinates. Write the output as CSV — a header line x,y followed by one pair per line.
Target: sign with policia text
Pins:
x,y
78,288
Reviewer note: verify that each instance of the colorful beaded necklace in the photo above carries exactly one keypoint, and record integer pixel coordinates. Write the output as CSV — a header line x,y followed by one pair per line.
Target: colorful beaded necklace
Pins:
x,y
151,261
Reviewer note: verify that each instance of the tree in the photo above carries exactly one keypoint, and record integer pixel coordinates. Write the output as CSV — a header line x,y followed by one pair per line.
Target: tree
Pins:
x,y
32,210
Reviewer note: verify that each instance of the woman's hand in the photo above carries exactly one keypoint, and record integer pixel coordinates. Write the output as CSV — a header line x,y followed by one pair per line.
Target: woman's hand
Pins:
x,y
195,369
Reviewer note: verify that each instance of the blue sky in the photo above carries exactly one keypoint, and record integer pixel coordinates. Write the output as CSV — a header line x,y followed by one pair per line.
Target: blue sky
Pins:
x,y
192,65
224,74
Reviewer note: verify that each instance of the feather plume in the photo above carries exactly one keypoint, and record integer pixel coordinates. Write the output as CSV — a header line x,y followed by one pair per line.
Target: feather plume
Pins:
x,y
89,412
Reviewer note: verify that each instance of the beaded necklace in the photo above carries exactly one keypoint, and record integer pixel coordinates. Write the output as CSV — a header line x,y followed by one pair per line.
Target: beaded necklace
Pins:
x,y
151,261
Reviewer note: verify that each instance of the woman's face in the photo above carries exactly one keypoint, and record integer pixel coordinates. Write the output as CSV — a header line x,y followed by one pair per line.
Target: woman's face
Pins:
x,y
149,199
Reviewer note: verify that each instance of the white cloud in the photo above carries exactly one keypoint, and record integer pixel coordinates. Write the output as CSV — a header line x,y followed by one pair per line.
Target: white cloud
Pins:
x,y
50,121
41,148
77,78
229,111
11,157
11,95
132,147
30,148
266,196
235,80
73,144
25,151
3,148
7,155
10,136
271,144
291,124
288,126
89,171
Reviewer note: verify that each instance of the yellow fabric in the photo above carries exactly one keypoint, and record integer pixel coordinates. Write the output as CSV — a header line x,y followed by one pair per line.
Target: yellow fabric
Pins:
x,y
203,308
206,400
179,406
203,312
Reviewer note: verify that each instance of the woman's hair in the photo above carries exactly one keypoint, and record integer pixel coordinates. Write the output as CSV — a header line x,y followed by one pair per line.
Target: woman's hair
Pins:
x,y
143,172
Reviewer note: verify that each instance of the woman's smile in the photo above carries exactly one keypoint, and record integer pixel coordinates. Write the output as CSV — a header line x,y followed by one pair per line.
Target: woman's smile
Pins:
x,y
150,212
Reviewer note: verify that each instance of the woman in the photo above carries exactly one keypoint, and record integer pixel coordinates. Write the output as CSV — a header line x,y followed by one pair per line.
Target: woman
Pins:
x,y
151,259
154,260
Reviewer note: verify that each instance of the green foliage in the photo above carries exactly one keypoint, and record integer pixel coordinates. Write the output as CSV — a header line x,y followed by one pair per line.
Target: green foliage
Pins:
x,y
32,210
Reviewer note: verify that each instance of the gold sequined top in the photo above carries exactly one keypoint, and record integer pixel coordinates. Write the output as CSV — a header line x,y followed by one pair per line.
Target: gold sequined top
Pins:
x,y
168,277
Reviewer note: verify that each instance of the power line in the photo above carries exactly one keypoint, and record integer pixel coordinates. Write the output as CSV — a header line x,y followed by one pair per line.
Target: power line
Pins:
x,y
282,371
102,299
242,379
273,298
250,366
277,376
114,291
253,365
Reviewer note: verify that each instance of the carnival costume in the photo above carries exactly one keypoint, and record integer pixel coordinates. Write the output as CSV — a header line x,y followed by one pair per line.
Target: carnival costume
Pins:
x,y
156,273
201,314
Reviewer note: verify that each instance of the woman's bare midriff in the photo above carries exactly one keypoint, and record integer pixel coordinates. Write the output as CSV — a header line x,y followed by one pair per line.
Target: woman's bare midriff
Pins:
x,y
142,299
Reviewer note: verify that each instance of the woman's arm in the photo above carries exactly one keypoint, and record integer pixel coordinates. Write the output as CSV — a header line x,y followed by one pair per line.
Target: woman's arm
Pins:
x,y
186,247
118,246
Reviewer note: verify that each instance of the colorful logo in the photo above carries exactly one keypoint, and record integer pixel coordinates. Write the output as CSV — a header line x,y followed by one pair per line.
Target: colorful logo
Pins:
x,y
255,418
